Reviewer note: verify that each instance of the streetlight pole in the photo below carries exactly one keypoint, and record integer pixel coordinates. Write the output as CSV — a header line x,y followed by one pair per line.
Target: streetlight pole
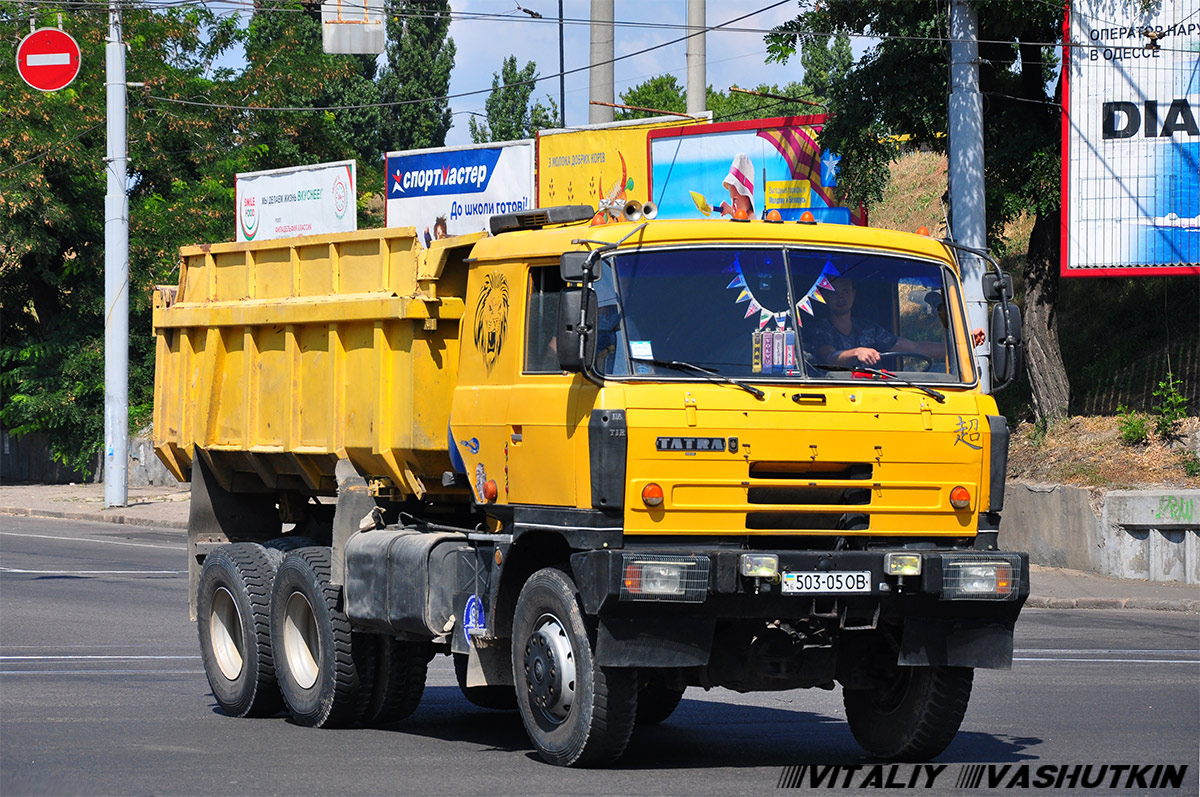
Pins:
x,y
116,275
562,72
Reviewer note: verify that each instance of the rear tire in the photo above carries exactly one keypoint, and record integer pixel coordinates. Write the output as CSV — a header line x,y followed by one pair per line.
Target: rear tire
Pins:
x,y
400,670
325,670
575,712
233,619
497,698
915,716
656,701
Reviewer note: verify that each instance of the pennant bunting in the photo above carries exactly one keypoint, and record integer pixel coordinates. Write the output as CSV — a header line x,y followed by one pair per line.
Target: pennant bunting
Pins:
x,y
816,294
738,282
806,305
754,308
823,282
763,318
744,296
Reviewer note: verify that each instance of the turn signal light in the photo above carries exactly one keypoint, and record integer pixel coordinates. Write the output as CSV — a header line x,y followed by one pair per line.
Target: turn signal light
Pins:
x,y
652,495
960,497
490,491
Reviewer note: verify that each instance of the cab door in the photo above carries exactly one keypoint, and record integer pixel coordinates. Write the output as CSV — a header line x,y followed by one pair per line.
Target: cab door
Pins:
x,y
541,444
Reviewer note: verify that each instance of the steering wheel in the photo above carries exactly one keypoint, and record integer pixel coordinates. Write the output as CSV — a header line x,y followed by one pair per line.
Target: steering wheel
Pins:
x,y
926,363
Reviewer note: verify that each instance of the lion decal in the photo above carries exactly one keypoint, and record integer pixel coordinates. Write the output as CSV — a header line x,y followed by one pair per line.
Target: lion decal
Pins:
x,y
491,318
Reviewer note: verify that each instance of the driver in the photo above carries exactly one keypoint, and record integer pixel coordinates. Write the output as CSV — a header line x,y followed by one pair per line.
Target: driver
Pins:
x,y
847,340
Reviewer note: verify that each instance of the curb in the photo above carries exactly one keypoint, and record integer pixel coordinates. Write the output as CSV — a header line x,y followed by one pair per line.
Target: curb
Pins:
x,y
1152,604
122,519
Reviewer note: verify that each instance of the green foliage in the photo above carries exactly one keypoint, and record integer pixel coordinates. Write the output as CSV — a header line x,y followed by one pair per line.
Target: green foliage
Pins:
x,y
825,67
182,161
509,114
1171,407
1191,464
661,93
1133,426
1037,438
420,55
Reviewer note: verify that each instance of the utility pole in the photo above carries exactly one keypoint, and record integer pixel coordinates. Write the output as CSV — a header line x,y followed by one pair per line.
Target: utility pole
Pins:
x,y
116,275
600,76
968,220
697,87
562,73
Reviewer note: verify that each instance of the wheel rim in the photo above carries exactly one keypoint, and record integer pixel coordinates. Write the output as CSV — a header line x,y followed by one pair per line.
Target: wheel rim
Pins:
x,y
225,633
550,669
301,641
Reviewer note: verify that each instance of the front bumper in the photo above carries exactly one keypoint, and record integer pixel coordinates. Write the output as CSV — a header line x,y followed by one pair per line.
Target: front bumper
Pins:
x,y
717,588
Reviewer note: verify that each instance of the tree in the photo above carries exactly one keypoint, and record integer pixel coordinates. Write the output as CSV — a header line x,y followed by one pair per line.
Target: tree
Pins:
x,y
52,188
509,114
420,55
900,87
663,93
825,66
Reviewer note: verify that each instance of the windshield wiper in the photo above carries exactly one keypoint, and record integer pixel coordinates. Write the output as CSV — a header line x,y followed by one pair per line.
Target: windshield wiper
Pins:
x,y
940,398
682,366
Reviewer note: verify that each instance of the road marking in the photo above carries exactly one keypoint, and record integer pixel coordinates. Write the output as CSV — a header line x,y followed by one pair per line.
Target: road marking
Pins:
x,y
1109,661
93,658
93,572
1099,651
101,672
99,542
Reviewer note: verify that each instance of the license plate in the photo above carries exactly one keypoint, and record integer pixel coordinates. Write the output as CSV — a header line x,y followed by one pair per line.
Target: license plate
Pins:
x,y
852,581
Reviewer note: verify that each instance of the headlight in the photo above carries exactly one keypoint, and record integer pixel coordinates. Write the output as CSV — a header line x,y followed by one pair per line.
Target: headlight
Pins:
x,y
667,578
970,578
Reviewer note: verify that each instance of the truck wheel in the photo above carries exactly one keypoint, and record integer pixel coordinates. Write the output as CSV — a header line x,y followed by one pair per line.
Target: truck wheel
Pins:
x,y
576,713
656,701
325,670
233,607
400,670
278,547
499,698
915,717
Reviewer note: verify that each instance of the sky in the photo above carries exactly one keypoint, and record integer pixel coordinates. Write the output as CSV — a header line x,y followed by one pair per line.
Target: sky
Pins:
x,y
734,57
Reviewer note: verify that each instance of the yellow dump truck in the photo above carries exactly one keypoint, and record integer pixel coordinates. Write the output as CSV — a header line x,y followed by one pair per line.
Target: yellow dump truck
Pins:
x,y
597,465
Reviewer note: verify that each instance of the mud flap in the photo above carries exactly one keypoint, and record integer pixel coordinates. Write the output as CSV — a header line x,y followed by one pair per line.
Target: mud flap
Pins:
x,y
952,643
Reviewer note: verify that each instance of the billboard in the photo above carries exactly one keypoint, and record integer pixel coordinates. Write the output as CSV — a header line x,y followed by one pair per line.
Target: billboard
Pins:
x,y
298,200
1131,145
583,165
455,190
776,164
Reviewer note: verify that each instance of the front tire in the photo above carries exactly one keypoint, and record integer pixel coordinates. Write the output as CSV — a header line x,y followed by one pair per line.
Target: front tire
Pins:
x,y
233,612
914,716
575,712
325,670
656,699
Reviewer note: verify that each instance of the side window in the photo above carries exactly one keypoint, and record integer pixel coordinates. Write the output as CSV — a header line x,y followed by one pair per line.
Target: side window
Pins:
x,y
541,318
922,311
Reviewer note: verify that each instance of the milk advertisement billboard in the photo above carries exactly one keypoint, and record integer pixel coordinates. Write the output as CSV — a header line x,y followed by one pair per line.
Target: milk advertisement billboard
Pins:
x,y
455,190
1131,138
298,200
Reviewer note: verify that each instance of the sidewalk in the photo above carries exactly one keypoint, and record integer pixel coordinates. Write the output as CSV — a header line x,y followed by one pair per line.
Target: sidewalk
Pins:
x,y
1052,588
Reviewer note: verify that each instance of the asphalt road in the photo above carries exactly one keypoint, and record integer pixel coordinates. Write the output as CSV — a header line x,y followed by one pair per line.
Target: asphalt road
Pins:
x,y
102,692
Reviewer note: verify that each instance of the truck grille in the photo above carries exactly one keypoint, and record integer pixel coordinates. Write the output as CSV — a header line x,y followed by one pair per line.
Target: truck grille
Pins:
x,y
814,489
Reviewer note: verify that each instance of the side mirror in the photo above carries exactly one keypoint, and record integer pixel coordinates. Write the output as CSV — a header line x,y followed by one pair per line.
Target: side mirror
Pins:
x,y
576,332
571,266
1005,335
992,283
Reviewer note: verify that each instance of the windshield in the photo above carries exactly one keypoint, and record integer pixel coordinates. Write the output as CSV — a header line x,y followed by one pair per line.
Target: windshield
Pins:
x,y
747,312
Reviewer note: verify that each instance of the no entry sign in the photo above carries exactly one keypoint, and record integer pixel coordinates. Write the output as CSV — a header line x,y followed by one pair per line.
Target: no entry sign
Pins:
x,y
48,59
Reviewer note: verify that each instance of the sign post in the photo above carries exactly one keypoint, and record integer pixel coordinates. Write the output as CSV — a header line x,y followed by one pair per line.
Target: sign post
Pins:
x,y
48,59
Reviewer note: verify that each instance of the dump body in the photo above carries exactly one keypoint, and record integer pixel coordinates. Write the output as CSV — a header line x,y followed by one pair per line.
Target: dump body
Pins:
x,y
280,357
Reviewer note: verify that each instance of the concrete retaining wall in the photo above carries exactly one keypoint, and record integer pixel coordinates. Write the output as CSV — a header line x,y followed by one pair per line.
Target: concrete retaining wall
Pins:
x,y
27,461
1148,534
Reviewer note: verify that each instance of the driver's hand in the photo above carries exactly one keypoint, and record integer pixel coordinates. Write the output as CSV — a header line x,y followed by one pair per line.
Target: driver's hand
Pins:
x,y
865,355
